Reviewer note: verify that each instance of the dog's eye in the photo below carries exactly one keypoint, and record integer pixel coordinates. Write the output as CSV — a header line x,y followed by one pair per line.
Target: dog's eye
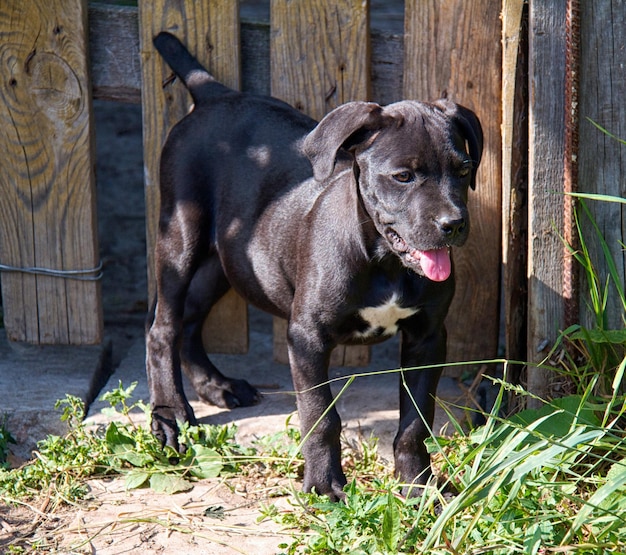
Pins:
x,y
403,177
465,170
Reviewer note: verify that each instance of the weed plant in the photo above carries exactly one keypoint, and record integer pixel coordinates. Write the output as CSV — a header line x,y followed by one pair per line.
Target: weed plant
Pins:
x,y
551,480
594,353
63,463
548,480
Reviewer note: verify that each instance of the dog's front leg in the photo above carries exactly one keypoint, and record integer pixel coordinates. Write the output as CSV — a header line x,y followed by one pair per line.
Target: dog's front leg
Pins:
x,y
167,398
417,407
163,339
309,355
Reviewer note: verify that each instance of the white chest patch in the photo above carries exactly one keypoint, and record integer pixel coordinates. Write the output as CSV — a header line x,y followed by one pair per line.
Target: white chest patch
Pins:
x,y
383,319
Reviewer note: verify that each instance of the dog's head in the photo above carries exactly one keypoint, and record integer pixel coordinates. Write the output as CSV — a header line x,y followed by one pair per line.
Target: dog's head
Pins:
x,y
414,163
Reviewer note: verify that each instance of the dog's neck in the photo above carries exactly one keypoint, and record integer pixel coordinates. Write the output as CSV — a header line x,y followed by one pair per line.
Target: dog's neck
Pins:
x,y
375,245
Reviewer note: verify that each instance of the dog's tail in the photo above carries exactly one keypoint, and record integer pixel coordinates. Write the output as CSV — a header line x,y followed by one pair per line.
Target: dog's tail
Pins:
x,y
200,83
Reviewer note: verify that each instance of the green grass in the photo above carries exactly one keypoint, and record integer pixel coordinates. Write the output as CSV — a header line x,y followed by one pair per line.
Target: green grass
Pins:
x,y
63,463
594,353
550,480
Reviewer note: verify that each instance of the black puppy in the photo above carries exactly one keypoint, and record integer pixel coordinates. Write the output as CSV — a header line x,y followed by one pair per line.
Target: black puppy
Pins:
x,y
344,228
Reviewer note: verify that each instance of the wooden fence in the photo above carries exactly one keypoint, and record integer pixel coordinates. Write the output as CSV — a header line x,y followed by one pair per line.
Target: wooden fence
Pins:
x,y
315,54
47,206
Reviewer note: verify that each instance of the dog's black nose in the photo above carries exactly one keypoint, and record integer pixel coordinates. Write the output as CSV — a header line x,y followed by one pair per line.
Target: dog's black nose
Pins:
x,y
451,227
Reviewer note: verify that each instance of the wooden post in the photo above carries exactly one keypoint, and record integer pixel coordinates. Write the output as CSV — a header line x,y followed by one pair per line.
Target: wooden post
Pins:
x,y
545,203
210,30
47,200
453,49
514,179
602,159
319,60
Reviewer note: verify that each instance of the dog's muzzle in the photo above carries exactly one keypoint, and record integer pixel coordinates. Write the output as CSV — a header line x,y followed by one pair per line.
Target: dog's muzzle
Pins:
x,y
435,264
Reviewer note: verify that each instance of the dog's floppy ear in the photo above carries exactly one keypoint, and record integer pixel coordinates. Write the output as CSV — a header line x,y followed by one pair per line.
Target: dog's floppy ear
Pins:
x,y
338,129
470,129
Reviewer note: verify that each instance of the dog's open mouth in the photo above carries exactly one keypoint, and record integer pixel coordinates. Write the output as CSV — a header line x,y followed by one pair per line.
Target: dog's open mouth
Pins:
x,y
435,264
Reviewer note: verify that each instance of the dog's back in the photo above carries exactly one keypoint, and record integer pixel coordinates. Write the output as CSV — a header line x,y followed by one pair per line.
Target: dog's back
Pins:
x,y
238,125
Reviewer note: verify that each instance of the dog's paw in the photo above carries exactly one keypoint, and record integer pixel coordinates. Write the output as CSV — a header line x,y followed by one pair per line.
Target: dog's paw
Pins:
x,y
164,425
412,468
328,483
229,394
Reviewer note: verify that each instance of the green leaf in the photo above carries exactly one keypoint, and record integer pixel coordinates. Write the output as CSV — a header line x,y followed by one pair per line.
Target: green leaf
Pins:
x,y
139,460
596,196
205,462
391,524
123,447
616,470
115,436
558,423
135,479
168,483
616,337
119,395
532,539
110,412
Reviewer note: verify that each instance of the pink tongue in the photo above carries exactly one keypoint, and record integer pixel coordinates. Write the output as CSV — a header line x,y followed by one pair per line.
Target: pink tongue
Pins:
x,y
436,264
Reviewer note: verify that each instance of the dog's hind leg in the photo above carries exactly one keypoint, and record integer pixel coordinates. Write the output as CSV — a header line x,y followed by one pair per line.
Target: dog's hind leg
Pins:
x,y
208,285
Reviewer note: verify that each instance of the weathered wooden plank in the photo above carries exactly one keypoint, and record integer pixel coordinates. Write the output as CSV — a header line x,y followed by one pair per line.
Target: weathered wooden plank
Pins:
x,y
114,52
114,41
319,54
47,205
319,60
514,182
545,208
210,30
602,160
465,65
